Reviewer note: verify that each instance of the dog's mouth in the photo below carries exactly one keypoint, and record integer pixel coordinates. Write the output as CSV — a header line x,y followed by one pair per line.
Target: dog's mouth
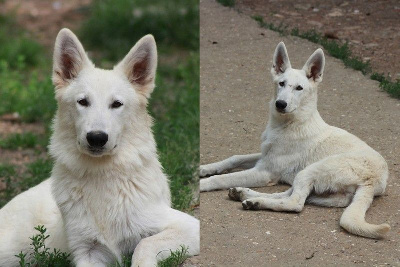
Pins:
x,y
284,111
95,151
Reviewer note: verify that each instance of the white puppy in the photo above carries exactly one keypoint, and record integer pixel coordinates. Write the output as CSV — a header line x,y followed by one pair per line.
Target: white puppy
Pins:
x,y
325,165
107,195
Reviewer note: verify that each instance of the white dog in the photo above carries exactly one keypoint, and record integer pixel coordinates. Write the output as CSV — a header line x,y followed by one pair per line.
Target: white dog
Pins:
x,y
325,165
107,195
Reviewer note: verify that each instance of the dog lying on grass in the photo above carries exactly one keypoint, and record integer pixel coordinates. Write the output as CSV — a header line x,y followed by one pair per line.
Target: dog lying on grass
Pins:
x,y
107,196
325,165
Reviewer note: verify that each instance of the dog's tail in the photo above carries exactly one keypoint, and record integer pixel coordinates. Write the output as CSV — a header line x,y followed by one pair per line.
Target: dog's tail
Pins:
x,y
353,218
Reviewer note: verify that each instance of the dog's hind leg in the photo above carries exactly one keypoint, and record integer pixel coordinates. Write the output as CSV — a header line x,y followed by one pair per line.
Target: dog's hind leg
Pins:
x,y
241,194
234,162
338,200
181,232
247,178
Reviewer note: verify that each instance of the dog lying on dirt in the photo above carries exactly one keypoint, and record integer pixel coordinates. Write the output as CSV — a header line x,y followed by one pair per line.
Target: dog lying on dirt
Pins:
x,y
325,165
107,196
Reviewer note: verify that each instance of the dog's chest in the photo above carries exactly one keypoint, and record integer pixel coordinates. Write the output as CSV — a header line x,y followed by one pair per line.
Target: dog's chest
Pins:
x,y
285,154
119,213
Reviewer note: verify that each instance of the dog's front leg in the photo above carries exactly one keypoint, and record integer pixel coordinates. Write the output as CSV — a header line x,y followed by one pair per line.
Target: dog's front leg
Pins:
x,y
182,231
249,178
234,162
302,186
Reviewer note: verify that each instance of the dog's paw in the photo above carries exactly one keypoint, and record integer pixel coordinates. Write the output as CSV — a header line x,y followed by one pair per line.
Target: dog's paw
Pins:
x,y
207,170
251,205
234,193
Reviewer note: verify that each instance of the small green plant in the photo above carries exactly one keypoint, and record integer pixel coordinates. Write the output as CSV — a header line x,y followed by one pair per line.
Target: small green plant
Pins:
x,y
228,3
281,28
176,259
42,256
386,84
19,140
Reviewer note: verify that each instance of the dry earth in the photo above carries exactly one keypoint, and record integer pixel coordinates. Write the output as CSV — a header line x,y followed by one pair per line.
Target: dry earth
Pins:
x,y
372,28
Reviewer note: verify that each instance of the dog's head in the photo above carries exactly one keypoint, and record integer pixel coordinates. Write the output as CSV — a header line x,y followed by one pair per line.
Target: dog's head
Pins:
x,y
94,105
295,86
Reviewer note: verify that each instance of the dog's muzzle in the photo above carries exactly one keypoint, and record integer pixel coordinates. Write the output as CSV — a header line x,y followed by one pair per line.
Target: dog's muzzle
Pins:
x,y
280,105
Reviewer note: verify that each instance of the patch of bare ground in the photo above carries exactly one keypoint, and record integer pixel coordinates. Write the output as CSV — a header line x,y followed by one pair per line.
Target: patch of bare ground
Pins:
x,y
44,18
372,28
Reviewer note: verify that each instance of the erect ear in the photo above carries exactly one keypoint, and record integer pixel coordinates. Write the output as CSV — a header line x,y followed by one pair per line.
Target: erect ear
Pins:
x,y
69,58
281,60
314,66
140,65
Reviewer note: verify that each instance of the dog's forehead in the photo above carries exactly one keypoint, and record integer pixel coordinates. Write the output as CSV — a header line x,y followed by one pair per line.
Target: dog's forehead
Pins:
x,y
296,76
105,81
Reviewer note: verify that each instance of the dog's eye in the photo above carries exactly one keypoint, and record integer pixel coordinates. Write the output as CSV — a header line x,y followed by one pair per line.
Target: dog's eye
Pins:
x,y
83,102
116,104
282,84
299,88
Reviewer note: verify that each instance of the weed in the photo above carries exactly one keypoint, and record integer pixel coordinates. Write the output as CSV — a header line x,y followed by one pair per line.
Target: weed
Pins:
x,y
176,259
281,28
228,3
40,255
386,84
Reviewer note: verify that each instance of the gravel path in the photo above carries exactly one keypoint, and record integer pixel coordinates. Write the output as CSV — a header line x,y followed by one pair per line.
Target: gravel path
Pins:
x,y
236,87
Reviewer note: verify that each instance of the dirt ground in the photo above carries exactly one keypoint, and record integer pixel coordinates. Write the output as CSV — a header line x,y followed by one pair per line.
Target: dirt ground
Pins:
x,y
44,18
372,28
235,84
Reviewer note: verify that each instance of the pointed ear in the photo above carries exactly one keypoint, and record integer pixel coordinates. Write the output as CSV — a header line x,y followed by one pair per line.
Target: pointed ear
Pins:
x,y
69,58
314,66
281,60
140,65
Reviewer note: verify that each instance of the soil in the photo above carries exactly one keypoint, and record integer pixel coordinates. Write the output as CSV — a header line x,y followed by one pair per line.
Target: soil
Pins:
x,y
44,18
235,88
372,28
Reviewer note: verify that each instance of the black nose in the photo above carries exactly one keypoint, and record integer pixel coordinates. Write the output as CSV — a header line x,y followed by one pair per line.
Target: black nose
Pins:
x,y
280,104
97,138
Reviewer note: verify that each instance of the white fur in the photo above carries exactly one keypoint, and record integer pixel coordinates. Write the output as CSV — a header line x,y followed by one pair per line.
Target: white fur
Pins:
x,y
105,204
325,165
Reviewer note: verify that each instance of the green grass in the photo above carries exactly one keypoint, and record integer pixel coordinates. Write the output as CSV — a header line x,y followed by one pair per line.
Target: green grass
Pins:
x,y
338,50
16,44
228,3
7,172
174,105
23,140
26,92
386,84
119,24
41,256
15,183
